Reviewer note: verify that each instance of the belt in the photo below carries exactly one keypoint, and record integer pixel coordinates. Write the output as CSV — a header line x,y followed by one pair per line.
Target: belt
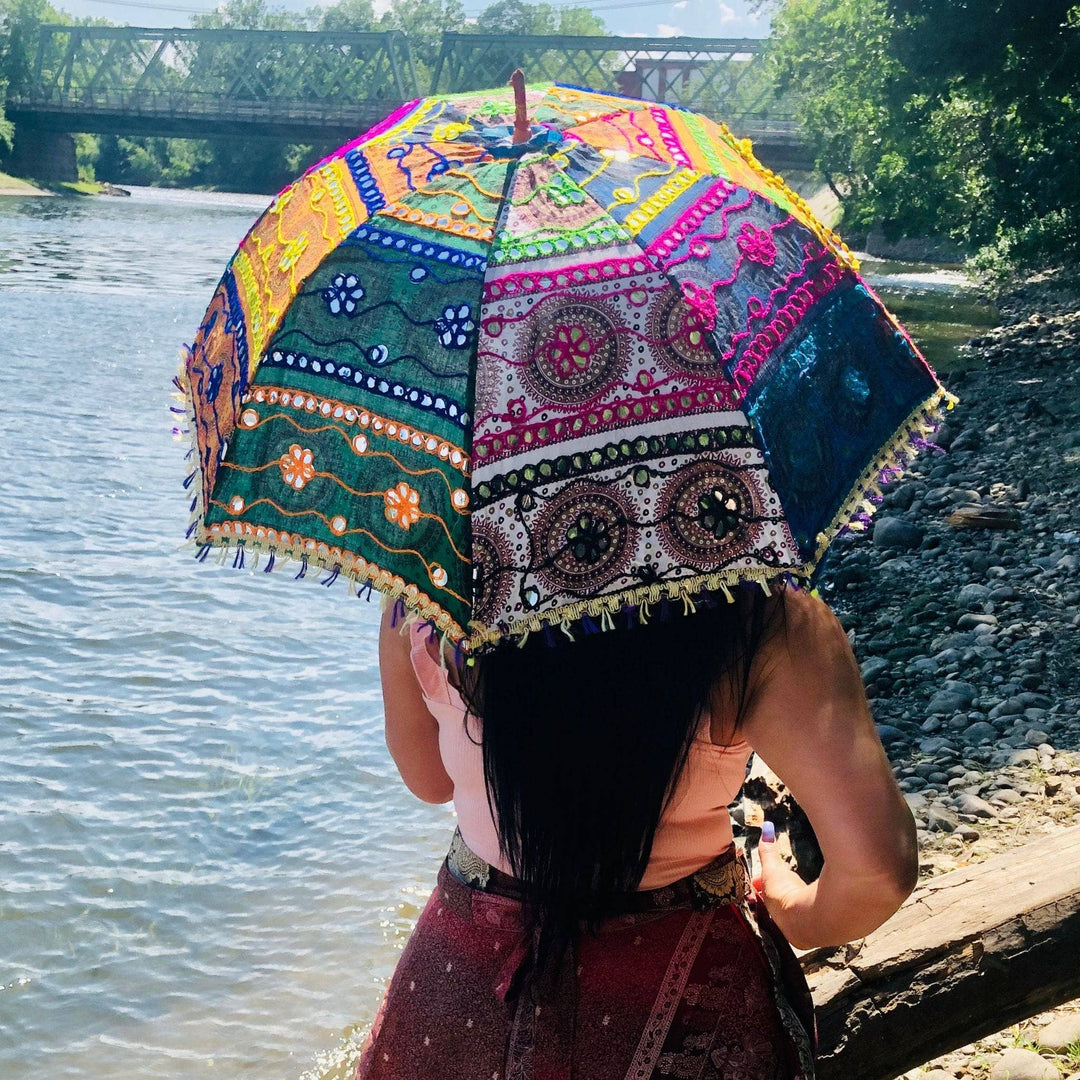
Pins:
x,y
725,880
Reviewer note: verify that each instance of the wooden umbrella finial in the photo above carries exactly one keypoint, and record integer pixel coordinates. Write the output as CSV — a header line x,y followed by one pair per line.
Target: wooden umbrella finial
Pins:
x,y
522,128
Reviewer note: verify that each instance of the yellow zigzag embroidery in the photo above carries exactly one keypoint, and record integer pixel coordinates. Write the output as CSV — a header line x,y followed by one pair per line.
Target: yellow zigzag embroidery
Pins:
x,y
664,196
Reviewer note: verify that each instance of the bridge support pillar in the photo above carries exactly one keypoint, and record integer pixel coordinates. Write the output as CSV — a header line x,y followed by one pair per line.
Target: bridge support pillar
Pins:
x,y
42,155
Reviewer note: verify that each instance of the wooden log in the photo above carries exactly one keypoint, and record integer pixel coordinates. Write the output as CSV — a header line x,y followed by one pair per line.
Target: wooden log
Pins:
x,y
983,517
968,954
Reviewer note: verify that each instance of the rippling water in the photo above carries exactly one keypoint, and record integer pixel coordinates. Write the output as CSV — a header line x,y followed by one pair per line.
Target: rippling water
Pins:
x,y
207,863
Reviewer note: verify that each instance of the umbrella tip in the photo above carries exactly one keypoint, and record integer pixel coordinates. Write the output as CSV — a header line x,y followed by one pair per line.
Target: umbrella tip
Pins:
x,y
522,128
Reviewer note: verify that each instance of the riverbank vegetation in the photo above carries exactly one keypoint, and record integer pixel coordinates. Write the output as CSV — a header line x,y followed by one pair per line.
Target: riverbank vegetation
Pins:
x,y
936,118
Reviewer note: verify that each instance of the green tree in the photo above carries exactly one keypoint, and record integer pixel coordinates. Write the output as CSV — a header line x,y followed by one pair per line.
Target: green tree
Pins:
x,y
958,117
20,21
423,23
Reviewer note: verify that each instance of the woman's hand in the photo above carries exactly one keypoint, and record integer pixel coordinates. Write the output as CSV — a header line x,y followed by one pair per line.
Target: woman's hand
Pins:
x,y
786,895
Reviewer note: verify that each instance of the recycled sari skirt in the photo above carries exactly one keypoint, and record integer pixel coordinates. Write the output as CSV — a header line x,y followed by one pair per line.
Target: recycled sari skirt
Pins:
x,y
691,981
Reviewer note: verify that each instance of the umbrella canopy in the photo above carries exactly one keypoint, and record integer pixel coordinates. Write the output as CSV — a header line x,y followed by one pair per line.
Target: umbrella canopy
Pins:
x,y
538,383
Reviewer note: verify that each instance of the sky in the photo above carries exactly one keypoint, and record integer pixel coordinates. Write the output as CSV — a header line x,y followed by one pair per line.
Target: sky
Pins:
x,y
652,18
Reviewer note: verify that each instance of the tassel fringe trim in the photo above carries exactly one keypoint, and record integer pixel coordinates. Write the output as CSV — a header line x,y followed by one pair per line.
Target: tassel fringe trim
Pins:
x,y
591,616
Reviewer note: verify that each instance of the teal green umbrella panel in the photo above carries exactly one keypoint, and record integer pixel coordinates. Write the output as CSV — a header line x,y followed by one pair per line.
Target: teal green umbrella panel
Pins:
x,y
544,379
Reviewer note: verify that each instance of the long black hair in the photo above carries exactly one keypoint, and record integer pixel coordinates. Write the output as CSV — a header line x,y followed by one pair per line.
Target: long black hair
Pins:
x,y
584,743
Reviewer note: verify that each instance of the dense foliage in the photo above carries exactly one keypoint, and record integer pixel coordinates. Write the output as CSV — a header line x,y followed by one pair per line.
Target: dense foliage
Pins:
x,y
943,117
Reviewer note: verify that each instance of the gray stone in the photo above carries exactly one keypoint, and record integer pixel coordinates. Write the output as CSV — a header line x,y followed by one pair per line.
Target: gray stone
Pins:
x,y
1035,737
970,620
1007,797
1009,707
873,667
1023,757
938,819
1060,1033
974,806
888,734
933,745
896,533
1019,1064
980,732
972,597
924,665
951,697
1002,593
915,801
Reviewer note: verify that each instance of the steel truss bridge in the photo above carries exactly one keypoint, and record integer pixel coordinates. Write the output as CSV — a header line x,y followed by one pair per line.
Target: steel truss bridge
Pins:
x,y
322,86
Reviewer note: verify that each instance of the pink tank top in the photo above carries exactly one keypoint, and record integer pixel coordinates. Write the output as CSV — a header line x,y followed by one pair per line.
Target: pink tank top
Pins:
x,y
693,830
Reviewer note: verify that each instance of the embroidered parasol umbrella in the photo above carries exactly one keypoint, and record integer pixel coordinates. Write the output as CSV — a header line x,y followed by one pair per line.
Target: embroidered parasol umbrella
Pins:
x,y
543,360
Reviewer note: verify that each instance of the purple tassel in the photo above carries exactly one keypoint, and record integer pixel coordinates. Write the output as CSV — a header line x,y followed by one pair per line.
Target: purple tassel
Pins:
x,y
459,655
203,552
177,383
238,558
194,503
303,568
629,611
549,637
926,444
175,409
432,633
190,530
190,479
269,563
588,625
332,578
365,593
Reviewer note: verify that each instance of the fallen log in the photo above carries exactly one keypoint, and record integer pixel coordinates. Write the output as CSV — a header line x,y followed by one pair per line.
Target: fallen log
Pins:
x,y
983,517
968,954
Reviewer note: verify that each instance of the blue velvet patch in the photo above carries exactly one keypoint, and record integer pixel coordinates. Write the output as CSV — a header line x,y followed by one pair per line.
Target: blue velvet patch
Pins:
x,y
826,402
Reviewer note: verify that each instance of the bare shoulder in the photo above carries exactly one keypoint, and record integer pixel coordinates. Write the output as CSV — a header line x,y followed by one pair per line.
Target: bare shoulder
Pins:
x,y
811,637
808,660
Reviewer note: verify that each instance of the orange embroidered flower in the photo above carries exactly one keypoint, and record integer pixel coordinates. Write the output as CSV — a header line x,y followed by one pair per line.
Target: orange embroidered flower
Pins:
x,y
297,466
403,505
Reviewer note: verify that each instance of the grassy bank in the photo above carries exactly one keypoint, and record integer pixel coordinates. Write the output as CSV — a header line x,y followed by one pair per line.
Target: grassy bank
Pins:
x,y
15,185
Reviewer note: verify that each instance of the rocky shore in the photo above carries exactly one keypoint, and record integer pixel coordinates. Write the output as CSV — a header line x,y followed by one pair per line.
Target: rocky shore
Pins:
x,y
964,611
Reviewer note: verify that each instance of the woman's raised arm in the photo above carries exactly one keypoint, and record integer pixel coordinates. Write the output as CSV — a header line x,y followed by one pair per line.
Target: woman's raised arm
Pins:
x,y
412,733
810,721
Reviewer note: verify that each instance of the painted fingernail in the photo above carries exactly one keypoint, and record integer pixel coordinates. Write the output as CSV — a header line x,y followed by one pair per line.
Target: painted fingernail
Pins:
x,y
768,832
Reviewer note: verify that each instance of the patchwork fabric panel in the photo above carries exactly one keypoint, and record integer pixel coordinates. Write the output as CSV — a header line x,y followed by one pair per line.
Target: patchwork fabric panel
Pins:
x,y
827,407
355,436
664,502
526,385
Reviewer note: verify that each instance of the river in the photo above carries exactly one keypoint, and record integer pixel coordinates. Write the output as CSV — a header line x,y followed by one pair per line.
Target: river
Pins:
x,y
207,863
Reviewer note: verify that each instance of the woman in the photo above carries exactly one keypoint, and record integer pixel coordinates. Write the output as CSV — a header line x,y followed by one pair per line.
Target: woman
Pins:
x,y
592,920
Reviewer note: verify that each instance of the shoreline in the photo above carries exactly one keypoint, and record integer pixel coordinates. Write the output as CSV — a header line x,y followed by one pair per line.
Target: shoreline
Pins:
x,y
28,188
967,634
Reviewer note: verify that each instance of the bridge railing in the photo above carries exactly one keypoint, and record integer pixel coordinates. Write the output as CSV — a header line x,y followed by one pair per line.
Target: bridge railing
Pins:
x,y
135,69
722,77
294,83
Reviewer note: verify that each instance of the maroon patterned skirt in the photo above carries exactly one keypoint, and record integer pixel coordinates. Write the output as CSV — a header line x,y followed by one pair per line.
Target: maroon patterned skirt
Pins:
x,y
692,982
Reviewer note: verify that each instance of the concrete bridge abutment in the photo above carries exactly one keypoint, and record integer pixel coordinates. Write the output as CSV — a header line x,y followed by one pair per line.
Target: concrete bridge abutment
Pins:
x,y
42,155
